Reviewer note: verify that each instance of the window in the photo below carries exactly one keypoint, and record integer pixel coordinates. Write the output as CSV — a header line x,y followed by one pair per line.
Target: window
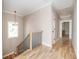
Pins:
x,y
12,30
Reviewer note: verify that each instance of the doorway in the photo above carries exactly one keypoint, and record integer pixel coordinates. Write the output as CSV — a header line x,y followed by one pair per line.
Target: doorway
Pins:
x,y
65,29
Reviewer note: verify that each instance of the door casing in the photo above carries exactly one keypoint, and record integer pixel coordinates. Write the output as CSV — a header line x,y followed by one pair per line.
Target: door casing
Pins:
x,y
70,28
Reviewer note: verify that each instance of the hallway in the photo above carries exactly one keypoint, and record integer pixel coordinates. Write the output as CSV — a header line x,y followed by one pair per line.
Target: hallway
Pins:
x,y
62,49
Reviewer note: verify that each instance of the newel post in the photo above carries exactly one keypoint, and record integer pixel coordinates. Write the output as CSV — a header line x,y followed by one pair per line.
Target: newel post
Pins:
x,y
30,40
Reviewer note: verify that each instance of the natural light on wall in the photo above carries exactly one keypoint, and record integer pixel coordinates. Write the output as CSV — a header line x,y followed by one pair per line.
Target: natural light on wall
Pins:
x,y
12,30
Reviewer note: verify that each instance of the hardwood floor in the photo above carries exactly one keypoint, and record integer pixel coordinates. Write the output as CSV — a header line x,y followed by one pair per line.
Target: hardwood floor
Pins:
x,y
62,49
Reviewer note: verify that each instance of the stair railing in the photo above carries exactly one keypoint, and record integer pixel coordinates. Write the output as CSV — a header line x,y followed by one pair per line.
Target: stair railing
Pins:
x,y
19,48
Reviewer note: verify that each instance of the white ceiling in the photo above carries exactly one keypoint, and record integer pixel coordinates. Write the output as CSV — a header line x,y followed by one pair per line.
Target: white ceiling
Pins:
x,y
25,7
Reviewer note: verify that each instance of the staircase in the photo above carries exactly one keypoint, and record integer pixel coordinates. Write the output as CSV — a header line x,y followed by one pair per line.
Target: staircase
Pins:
x,y
32,40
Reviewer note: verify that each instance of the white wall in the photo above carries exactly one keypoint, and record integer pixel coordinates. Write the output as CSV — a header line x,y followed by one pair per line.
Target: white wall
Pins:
x,y
41,20
9,44
57,28
74,35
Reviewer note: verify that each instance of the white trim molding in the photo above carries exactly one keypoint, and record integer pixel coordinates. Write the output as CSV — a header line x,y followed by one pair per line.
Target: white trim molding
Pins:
x,y
8,54
6,11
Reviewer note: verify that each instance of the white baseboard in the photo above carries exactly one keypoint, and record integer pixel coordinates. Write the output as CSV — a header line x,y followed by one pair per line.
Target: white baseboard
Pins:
x,y
48,45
